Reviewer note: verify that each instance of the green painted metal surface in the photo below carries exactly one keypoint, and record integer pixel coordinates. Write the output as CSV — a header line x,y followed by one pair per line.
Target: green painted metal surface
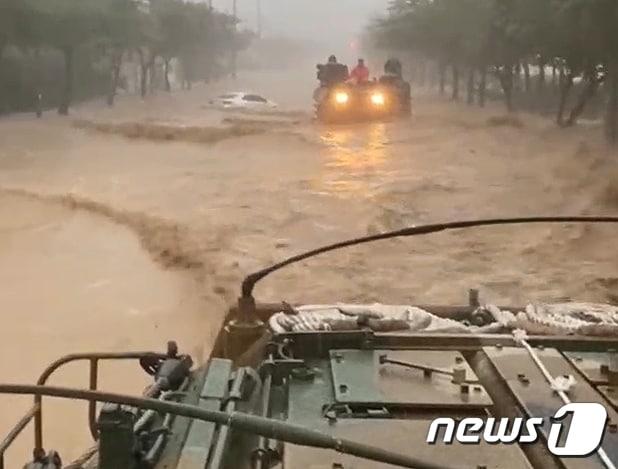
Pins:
x,y
117,441
358,377
199,440
538,399
308,398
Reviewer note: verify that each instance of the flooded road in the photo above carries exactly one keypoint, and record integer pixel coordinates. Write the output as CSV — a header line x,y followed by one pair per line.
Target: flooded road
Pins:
x,y
119,240
73,282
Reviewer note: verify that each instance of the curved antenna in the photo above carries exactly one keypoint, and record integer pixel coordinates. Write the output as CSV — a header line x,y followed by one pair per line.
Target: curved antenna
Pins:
x,y
250,281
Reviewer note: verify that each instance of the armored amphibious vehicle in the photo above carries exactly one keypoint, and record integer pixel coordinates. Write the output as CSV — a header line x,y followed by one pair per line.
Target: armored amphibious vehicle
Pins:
x,y
361,386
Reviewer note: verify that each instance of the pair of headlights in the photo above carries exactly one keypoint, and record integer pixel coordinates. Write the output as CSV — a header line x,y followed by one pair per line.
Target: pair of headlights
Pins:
x,y
377,99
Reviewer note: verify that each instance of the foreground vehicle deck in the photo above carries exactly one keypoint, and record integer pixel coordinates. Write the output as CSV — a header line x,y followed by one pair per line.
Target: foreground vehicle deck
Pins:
x,y
342,386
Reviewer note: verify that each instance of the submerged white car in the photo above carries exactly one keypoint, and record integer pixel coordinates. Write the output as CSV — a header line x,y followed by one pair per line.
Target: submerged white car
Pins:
x,y
242,100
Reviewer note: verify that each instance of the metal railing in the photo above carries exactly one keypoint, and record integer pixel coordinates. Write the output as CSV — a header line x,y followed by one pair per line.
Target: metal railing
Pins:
x,y
35,412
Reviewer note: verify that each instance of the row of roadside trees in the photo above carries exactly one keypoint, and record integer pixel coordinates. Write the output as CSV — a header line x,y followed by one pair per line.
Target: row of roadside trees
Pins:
x,y
108,33
476,41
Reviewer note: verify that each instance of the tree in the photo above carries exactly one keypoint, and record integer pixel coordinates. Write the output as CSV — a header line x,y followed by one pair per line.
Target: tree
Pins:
x,y
66,25
119,35
577,37
91,30
175,31
7,23
146,43
16,23
9,13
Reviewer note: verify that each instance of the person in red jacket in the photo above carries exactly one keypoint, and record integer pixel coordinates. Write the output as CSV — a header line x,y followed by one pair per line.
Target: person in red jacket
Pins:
x,y
360,73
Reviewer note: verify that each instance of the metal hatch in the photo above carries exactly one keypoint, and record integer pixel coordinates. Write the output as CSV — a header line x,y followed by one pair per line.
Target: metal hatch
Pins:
x,y
538,399
359,377
601,369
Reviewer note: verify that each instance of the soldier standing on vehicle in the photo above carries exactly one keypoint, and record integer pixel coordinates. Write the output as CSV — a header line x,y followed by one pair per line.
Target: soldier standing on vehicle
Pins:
x,y
330,74
393,76
360,73
393,68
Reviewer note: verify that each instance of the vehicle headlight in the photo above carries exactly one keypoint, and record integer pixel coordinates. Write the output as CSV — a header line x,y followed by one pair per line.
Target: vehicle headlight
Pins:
x,y
341,97
377,99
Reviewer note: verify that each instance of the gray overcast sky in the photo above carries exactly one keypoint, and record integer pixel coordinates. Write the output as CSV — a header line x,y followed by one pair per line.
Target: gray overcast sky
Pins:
x,y
332,21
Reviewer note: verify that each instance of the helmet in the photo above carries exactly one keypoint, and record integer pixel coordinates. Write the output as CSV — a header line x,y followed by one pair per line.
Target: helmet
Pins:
x,y
332,59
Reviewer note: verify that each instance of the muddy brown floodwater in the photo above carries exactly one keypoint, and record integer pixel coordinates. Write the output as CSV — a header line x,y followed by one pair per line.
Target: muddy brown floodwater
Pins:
x,y
120,229
73,282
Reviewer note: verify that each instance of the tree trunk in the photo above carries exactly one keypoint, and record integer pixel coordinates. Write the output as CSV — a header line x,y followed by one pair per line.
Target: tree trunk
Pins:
x,y
143,84
586,95
143,79
3,44
506,80
483,86
67,91
542,79
116,60
611,115
3,105
168,86
455,94
470,87
151,74
565,88
442,77
40,72
526,77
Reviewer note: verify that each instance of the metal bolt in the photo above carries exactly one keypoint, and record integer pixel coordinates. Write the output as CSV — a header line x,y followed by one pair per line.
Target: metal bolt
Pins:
x,y
612,374
38,454
541,347
459,359
478,389
578,359
172,349
498,347
304,374
459,374
604,369
613,428
465,389
337,465
427,374
473,298
331,416
343,389
338,357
